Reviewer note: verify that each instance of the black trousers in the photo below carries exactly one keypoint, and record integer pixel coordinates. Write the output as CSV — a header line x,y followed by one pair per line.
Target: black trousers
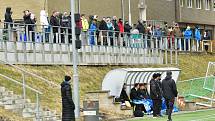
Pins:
x,y
157,103
169,105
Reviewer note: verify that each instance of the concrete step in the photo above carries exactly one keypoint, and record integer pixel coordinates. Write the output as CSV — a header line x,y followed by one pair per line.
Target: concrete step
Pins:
x,y
6,93
13,106
2,89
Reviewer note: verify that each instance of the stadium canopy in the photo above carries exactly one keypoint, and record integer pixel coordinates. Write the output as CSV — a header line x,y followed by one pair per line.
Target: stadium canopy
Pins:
x,y
115,79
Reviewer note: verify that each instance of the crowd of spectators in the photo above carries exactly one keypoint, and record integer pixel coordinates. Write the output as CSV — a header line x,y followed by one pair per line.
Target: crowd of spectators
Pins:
x,y
92,28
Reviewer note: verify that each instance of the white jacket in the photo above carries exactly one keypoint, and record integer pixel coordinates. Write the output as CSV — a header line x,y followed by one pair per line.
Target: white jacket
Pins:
x,y
44,19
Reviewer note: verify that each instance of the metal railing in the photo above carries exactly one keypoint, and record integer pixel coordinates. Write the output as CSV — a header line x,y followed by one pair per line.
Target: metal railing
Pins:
x,y
31,74
56,39
24,86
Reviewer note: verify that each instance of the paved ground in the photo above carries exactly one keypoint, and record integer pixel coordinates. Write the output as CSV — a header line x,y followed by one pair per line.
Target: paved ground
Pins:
x,y
204,115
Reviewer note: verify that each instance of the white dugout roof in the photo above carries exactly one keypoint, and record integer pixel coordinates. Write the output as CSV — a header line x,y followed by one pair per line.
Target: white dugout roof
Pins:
x,y
115,79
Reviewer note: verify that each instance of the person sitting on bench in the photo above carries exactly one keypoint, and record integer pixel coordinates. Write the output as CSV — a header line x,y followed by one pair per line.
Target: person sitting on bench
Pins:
x,y
123,95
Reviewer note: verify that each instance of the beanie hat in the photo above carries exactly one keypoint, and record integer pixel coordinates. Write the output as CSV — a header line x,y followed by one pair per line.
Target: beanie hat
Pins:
x,y
67,78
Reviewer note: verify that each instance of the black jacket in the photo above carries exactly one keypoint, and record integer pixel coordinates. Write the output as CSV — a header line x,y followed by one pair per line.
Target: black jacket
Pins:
x,y
134,94
141,28
115,24
67,102
155,89
123,96
7,15
169,88
54,22
103,25
127,28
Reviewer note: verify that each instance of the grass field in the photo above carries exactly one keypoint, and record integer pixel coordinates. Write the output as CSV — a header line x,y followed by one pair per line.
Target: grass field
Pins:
x,y
91,77
207,115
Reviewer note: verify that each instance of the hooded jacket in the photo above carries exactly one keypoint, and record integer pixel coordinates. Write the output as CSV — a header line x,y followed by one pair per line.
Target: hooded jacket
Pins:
x,y
7,15
169,88
188,34
44,19
197,35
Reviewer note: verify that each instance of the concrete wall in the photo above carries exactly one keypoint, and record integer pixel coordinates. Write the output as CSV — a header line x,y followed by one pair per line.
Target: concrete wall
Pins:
x,y
161,10
18,6
102,8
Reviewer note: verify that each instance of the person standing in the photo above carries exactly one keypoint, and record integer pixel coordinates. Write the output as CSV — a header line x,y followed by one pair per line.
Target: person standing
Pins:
x,y
68,105
187,37
54,22
169,92
197,37
85,27
8,17
155,94
44,23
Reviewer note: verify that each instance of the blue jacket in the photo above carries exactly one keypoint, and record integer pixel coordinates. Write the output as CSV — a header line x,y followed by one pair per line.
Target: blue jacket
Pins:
x,y
197,35
93,27
158,33
188,34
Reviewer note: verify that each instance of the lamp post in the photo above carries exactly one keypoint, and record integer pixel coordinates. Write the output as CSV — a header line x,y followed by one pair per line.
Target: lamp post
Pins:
x,y
75,64
129,10
123,10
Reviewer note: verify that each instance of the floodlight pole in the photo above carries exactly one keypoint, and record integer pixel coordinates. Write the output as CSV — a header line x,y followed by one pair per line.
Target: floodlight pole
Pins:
x,y
75,64
129,10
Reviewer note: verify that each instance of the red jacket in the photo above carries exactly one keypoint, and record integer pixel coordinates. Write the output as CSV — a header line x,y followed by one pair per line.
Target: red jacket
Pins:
x,y
121,27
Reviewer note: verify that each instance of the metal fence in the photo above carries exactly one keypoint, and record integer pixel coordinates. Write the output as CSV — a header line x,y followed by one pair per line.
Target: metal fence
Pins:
x,y
35,44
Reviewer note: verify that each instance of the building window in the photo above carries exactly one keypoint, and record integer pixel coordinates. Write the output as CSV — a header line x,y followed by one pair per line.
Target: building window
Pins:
x,y
207,4
198,4
189,3
214,5
181,3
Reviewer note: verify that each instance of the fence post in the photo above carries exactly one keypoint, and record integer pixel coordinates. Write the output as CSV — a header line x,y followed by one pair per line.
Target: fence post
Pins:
x,y
37,107
23,86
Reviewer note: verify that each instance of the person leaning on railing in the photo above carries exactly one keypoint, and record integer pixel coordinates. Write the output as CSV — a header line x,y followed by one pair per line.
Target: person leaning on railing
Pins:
x,y
8,18
55,24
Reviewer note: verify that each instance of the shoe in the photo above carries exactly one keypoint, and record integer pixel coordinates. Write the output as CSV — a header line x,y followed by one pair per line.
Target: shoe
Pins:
x,y
169,120
160,115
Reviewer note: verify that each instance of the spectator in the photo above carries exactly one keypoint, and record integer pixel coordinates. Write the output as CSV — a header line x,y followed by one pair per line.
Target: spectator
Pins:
x,y
8,17
170,37
140,27
65,23
206,37
155,95
54,22
92,31
121,26
123,96
29,27
158,32
127,28
110,29
178,35
165,29
121,31
103,27
197,36
85,27
44,22
68,105
187,36
142,92
169,92
116,27
134,94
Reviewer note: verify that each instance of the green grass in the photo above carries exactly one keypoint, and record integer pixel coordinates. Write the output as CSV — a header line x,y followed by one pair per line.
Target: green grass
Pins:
x,y
91,77
207,115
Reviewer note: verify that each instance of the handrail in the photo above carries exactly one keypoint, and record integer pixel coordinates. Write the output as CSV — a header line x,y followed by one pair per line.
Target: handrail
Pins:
x,y
34,75
19,83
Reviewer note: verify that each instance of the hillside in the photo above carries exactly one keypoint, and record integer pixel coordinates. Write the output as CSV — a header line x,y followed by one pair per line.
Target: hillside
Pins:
x,y
90,77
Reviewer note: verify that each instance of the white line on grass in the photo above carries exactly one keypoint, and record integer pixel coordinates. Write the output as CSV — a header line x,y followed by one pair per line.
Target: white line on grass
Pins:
x,y
207,117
